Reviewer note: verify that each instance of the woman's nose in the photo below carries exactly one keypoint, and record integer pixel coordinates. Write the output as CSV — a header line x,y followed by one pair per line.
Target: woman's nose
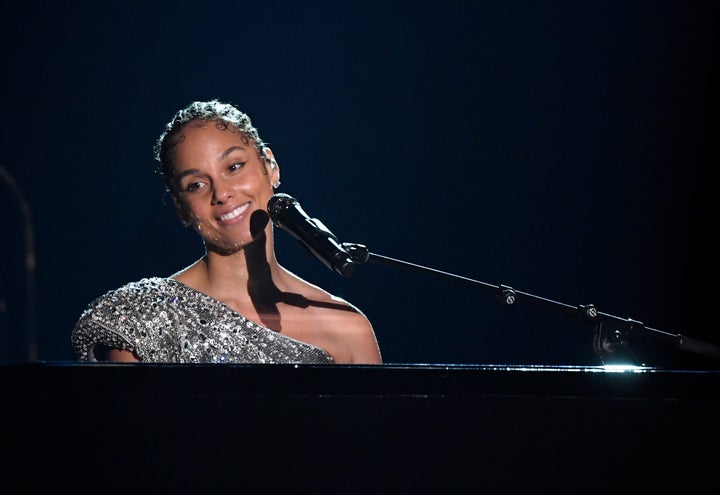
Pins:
x,y
222,191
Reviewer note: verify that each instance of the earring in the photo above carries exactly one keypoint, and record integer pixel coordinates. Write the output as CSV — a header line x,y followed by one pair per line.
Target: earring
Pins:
x,y
276,184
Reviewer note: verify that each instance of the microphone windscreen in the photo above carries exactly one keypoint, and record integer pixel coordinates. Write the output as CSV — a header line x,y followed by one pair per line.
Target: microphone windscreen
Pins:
x,y
277,204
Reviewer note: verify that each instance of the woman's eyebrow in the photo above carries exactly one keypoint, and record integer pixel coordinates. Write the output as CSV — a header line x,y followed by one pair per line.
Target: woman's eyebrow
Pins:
x,y
189,171
230,150
223,155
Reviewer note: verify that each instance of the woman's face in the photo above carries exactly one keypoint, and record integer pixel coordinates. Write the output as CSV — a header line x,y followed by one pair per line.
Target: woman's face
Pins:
x,y
220,181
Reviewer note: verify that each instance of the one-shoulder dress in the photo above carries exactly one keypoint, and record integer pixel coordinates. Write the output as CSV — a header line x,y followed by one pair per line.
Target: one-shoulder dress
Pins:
x,y
164,321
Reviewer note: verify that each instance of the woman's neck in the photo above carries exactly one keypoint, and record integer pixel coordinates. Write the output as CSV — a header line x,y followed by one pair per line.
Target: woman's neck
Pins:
x,y
253,266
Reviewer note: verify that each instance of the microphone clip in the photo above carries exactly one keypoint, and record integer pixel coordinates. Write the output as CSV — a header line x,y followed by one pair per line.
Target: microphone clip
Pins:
x,y
358,253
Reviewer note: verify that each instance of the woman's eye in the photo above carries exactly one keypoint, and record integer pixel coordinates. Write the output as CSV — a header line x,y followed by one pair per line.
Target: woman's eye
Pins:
x,y
193,186
236,166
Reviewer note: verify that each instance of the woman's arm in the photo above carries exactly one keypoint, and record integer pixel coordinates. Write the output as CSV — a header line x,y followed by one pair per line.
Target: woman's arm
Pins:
x,y
121,356
360,344
114,354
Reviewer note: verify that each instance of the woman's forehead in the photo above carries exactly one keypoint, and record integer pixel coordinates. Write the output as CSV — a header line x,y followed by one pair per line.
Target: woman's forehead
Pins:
x,y
209,139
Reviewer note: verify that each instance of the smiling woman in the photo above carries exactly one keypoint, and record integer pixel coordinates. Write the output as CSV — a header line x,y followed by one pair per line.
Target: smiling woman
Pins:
x,y
235,304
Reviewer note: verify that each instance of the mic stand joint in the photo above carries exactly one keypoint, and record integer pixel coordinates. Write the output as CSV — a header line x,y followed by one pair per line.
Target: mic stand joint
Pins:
x,y
358,253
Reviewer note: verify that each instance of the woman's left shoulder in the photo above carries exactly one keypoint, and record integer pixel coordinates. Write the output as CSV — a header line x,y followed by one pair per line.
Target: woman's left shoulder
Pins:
x,y
346,321
355,334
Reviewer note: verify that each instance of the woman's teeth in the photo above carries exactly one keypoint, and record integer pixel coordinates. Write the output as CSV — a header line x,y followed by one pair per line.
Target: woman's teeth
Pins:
x,y
236,212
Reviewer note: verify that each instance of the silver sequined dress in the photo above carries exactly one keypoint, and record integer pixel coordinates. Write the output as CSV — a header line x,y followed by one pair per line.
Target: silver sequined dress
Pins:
x,y
164,321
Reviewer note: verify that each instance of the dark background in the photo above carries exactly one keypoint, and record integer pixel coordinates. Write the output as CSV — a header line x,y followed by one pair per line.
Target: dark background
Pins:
x,y
561,148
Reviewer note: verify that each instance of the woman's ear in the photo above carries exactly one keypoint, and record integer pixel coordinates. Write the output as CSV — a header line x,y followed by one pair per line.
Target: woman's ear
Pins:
x,y
274,171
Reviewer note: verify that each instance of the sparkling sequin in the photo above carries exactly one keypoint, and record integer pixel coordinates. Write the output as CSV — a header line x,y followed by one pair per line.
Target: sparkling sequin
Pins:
x,y
164,321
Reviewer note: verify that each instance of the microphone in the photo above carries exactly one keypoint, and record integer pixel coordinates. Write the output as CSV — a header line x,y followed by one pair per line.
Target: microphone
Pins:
x,y
286,213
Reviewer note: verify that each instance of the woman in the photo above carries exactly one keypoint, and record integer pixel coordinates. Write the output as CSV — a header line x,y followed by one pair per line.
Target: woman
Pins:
x,y
236,303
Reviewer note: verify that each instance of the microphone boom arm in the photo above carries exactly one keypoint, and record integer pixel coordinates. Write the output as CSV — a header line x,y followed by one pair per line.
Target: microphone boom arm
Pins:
x,y
611,334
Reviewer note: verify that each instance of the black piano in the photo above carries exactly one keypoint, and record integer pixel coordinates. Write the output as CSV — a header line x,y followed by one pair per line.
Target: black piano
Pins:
x,y
420,428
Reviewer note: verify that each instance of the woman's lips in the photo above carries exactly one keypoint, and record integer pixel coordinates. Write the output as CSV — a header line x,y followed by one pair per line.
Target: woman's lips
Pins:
x,y
226,217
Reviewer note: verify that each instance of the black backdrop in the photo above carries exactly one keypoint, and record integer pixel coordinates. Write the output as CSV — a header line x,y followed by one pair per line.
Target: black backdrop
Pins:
x,y
563,148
